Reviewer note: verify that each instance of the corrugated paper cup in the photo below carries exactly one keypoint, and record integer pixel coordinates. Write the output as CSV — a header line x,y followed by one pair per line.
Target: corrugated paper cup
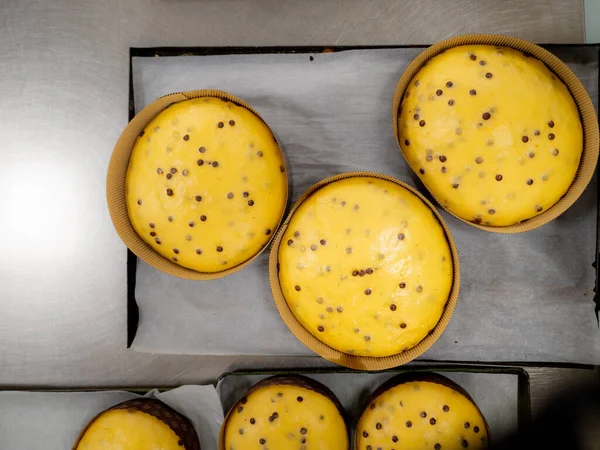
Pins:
x,y
117,172
291,380
344,359
589,156
180,424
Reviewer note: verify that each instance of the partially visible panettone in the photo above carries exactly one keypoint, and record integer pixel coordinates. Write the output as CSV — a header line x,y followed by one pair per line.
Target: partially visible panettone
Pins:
x,y
421,411
492,132
206,185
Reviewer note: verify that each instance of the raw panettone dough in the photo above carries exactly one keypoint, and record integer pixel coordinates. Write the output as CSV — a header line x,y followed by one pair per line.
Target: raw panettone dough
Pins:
x,y
492,132
285,417
123,429
206,185
365,267
421,414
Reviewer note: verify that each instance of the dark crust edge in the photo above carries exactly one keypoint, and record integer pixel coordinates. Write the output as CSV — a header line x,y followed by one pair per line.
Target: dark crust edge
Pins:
x,y
436,378
177,422
290,380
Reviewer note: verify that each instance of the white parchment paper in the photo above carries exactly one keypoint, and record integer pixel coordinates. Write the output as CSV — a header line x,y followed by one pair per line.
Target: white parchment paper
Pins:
x,y
53,420
495,394
524,298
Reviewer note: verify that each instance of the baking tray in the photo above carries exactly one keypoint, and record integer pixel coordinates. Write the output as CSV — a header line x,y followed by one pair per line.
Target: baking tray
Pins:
x,y
503,418
132,307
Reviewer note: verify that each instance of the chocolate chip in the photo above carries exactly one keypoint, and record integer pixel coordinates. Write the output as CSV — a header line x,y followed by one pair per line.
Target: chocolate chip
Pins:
x,y
367,338
492,212
369,271
158,241
416,117
268,231
262,441
169,176
393,307
200,162
355,273
538,208
465,444
455,185
402,285
488,75
191,224
219,249
232,122
444,169
422,123
290,242
446,408
348,250
365,434
554,152
473,57
442,158
151,225
473,92
186,137
230,195
202,149
551,124
450,102
246,194
169,192
198,198
339,309
476,429
362,273
215,164
498,177
252,420
220,125
529,181
152,233
422,171
250,202
437,446
203,218
159,171
401,236
139,202
300,399
432,421
406,142
551,136
408,424
423,414
477,220
281,169
142,133
170,218
449,84
298,288
241,431
394,438
378,426
439,92
323,242
467,425
486,116
525,139
479,160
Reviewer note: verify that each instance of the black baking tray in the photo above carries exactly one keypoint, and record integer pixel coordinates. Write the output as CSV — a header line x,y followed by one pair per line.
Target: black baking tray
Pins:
x,y
310,51
523,384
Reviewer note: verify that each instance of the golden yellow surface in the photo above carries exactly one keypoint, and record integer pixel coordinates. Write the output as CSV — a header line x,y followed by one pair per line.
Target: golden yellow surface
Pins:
x,y
206,184
122,429
500,156
365,267
421,415
285,417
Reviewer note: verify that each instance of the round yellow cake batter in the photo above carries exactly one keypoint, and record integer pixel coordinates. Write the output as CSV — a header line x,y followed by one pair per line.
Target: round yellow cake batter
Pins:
x,y
278,417
365,267
206,185
492,132
421,414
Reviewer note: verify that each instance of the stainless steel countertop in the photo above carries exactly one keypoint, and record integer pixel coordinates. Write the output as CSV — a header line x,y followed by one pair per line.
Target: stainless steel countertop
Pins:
x,y
63,102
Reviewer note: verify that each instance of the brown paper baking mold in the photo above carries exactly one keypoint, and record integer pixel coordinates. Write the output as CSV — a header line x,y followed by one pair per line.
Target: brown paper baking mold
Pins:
x,y
322,349
117,172
288,380
180,424
589,156
425,377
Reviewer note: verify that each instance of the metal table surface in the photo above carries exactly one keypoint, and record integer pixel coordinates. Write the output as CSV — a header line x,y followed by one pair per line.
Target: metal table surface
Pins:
x,y
63,102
